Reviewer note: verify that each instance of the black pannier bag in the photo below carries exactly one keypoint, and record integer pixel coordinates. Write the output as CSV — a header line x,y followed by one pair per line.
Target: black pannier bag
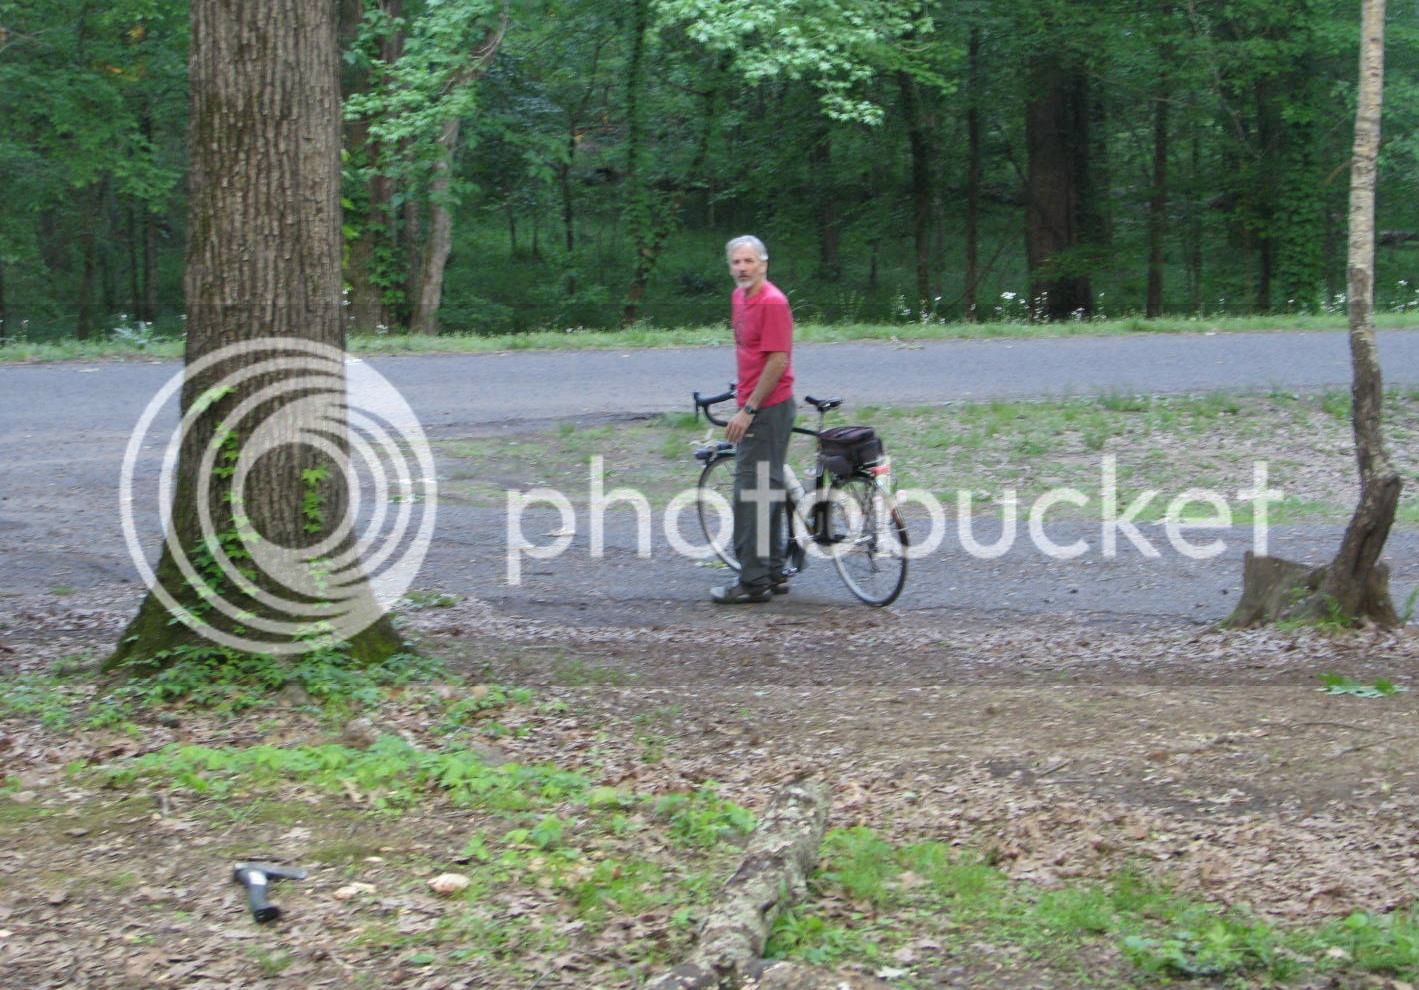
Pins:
x,y
847,448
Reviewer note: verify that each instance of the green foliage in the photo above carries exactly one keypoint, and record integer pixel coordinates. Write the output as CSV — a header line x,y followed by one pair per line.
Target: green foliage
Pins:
x,y
702,819
1342,685
212,676
1159,934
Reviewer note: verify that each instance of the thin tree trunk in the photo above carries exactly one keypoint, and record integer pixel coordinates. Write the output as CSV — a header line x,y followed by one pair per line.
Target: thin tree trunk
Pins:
x,y
564,184
973,175
920,148
1158,204
820,161
4,308
372,247
1349,575
639,211
439,242
88,245
133,248
1193,247
150,266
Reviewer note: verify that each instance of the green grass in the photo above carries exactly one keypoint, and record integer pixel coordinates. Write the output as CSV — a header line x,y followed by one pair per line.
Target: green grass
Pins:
x,y
871,897
646,336
1167,444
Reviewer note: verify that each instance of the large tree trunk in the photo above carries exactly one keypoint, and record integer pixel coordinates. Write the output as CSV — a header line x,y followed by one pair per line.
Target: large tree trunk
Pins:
x,y
1354,586
263,262
1057,194
973,175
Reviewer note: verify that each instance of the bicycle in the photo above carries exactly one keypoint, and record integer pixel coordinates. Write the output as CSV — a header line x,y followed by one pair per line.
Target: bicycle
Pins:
x,y
851,513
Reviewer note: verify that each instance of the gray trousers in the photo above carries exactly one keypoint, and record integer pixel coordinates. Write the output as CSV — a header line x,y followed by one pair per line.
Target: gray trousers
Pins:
x,y
758,494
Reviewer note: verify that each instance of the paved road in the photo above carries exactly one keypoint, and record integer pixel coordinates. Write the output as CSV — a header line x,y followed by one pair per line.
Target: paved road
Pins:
x,y
454,392
63,429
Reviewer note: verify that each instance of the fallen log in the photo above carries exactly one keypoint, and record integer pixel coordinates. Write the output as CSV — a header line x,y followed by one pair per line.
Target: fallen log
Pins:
x,y
772,875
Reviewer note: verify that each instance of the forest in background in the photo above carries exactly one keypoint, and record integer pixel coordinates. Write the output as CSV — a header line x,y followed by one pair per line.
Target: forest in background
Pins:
x,y
537,164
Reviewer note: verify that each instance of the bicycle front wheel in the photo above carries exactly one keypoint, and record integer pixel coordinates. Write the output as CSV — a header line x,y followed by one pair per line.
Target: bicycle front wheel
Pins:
x,y
867,539
714,503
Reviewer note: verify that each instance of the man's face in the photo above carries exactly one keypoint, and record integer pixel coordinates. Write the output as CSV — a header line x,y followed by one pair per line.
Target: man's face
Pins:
x,y
747,269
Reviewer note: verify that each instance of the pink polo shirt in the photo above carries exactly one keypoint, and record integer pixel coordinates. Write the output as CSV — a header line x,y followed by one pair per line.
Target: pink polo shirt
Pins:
x,y
763,324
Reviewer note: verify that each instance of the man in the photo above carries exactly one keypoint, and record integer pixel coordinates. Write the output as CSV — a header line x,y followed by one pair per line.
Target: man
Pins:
x,y
763,343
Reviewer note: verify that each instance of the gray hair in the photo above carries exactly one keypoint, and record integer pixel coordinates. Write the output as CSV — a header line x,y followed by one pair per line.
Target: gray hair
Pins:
x,y
750,241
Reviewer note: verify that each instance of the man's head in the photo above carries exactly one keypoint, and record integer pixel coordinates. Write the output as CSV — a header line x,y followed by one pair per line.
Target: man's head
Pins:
x,y
748,262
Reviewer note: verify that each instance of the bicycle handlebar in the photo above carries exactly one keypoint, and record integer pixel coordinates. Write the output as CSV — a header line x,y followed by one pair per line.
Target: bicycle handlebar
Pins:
x,y
703,403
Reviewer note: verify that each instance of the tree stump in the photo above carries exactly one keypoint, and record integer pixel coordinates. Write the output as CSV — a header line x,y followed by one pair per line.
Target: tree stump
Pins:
x,y
772,874
1274,589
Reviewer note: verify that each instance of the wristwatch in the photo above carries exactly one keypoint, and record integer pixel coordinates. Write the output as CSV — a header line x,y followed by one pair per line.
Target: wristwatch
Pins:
x,y
750,409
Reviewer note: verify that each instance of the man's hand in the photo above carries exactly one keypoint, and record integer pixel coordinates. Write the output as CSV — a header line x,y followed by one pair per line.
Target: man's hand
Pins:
x,y
738,426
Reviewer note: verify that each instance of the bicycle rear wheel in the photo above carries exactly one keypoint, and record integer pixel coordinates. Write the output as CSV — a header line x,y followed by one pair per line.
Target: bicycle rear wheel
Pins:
x,y
867,539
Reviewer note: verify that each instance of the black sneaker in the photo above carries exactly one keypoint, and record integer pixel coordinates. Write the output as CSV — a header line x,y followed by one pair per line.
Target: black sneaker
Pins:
x,y
740,594
779,585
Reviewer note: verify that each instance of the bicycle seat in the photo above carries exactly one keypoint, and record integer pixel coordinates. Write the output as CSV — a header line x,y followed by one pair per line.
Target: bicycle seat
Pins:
x,y
822,405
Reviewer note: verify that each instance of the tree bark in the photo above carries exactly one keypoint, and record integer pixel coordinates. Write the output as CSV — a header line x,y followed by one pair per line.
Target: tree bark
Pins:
x,y
372,247
825,202
772,875
87,318
973,175
438,243
1158,204
262,262
1057,177
1354,586
1380,484
919,145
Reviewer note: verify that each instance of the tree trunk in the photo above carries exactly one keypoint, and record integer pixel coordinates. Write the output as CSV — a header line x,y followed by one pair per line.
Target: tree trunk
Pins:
x,y
919,145
1193,246
131,244
87,318
438,244
4,310
1380,484
772,875
372,246
825,203
1158,204
973,176
150,266
1057,177
652,218
639,211
1354,585
242,567
564,188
